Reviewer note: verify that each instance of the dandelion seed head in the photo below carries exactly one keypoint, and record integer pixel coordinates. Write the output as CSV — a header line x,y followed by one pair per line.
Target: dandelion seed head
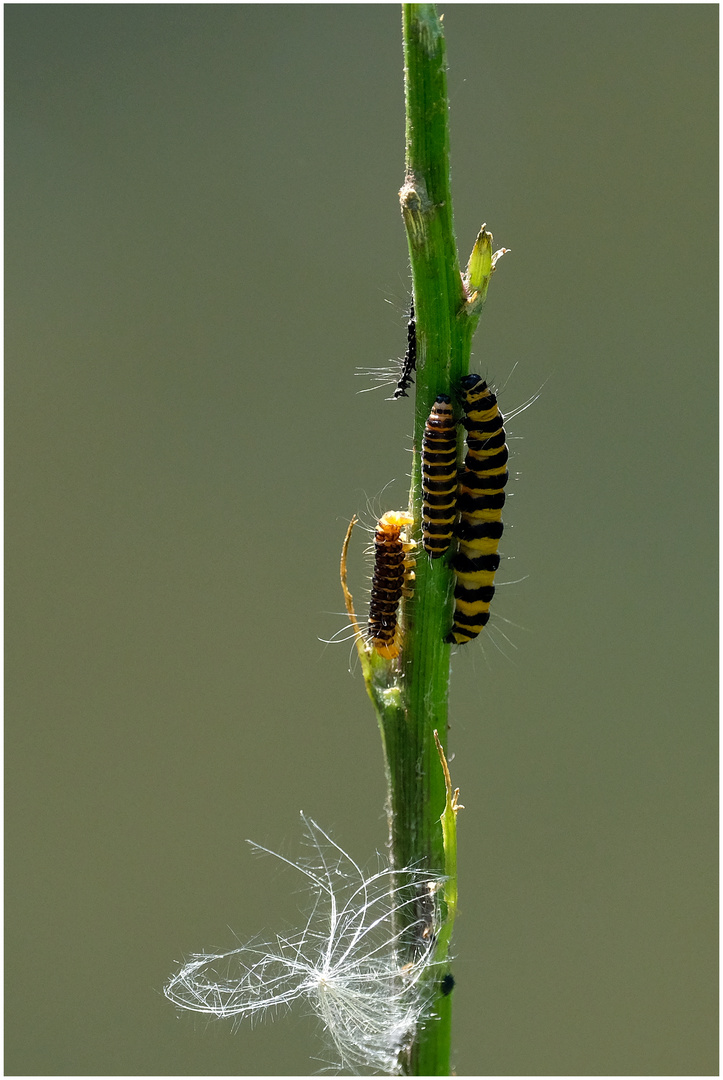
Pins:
x,y
360,960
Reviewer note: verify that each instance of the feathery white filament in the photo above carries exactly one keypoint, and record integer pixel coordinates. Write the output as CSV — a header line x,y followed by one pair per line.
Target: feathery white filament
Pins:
x,y
360,959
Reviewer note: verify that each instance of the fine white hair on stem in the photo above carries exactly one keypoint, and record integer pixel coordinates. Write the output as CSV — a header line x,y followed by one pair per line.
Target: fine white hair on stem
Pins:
x,y
360,959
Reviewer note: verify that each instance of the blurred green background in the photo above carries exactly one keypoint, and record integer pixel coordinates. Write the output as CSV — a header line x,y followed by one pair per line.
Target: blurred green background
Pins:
x,y
203,235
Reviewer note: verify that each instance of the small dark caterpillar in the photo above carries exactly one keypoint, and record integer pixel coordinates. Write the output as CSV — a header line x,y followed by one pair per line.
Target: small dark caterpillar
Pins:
x,y
481,496
409,363
392,579
446,986
399,372
439,477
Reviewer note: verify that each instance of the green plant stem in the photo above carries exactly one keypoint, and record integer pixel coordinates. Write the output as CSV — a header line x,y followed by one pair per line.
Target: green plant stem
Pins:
x,y
417,786
410,696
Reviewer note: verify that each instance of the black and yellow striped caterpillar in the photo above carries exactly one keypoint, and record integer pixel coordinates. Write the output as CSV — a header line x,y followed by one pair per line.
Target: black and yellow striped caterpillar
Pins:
x,y
480,498
392,578
439,478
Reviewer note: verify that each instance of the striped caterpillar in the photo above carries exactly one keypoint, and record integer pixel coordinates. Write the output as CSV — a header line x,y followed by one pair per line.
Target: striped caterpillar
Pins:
x,y
439,478
393,574
480,498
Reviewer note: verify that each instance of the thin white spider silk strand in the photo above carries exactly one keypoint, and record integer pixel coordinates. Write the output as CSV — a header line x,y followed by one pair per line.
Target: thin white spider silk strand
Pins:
x,y
361,972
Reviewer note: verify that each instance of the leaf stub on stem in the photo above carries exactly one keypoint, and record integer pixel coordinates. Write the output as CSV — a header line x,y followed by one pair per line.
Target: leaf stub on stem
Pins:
x,y
416,209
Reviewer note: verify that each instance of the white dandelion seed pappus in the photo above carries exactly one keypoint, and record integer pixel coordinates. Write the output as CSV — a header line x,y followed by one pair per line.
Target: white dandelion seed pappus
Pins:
x,y
360,959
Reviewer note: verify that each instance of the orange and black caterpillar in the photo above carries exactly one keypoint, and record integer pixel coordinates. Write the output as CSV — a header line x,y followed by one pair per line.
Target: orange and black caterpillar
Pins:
x,y
481,496
409,363
392,577
439,477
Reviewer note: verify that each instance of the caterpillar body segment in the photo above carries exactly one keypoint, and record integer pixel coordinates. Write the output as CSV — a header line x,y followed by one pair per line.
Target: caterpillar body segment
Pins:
x,y
439,478
409,363
481,496
392,579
